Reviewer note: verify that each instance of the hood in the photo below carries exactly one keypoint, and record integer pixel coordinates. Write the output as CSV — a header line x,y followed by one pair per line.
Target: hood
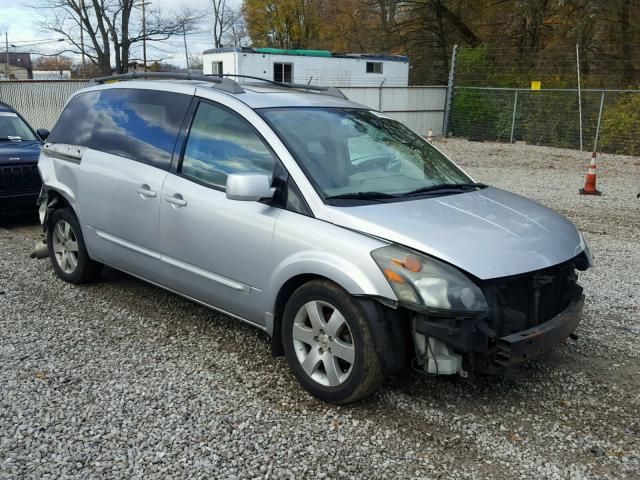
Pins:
x,y
488,233
19,152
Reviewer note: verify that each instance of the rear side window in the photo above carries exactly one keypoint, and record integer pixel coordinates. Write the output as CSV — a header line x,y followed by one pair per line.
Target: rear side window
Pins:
x,y
220,143
139,124
76,122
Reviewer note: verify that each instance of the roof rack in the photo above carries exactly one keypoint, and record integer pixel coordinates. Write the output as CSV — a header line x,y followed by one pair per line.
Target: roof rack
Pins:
x,y
333,91
221,81
224,84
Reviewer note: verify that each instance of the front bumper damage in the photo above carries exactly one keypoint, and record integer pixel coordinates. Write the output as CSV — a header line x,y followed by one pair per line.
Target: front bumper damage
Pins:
x,y
519,347
480,349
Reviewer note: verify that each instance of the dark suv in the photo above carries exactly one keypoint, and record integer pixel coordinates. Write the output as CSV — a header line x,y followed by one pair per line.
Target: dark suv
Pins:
x,y
19,149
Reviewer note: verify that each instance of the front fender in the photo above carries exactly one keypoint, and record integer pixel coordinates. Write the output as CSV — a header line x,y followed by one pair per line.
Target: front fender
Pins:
x,y
311,247
357,278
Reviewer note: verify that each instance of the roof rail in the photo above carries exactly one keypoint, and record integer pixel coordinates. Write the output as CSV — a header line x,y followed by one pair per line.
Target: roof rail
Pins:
x,y
333,91
224,84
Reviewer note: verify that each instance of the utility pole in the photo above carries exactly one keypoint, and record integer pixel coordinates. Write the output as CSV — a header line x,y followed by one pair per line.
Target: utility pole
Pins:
x,y
144,35
82,37
449,97
186,53
579,93
7,69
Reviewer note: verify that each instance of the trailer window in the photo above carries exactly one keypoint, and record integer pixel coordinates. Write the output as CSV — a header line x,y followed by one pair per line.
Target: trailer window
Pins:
x,y
283,72
216,68
374,67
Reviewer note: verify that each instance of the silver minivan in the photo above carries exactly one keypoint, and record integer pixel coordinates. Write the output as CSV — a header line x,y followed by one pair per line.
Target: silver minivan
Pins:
x,y
354,243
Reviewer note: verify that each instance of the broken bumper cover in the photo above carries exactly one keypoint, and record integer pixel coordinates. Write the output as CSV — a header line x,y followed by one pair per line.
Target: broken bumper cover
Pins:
x,y
485,352
519,347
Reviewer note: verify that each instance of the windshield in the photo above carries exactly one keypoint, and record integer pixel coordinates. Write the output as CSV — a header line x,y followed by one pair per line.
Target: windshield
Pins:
x,y
13,128
349,153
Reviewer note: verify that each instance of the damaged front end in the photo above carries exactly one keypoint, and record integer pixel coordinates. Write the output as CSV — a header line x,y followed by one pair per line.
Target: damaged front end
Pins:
x,y
462,324
527,314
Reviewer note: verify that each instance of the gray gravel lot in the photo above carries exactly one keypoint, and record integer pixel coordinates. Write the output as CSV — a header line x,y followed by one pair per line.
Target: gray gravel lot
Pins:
x,y
120,379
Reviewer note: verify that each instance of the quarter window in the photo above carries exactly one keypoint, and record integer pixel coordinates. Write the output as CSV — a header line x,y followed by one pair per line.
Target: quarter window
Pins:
x,y
220,143
138,124
283,72
76,122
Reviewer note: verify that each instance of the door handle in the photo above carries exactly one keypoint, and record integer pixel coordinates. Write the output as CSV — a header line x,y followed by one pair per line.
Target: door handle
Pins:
x,y
176,200
145,191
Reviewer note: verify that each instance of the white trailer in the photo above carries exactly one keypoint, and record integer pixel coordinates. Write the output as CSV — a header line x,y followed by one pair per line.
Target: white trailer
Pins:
x,y
318,67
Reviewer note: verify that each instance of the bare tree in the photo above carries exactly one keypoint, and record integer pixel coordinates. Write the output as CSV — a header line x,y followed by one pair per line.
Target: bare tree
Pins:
x,y
225,19
237,35
104,31
51,63
195,62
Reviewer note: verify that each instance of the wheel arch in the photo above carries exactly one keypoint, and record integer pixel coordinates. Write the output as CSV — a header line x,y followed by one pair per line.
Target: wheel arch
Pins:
x,y
283,295
389,326
56,199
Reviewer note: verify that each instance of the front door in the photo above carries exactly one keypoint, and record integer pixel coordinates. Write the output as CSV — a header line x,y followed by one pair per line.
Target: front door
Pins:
x,y
216,250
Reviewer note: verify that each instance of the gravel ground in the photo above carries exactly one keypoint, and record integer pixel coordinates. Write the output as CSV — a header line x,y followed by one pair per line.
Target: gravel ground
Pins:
x,y
120,379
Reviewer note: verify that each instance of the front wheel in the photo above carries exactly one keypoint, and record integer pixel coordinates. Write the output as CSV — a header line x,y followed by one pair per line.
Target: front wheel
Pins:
x,y
67,251
328,344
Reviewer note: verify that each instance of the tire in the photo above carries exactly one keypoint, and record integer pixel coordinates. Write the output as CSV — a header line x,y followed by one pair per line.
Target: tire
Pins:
x,y
328,344
67,249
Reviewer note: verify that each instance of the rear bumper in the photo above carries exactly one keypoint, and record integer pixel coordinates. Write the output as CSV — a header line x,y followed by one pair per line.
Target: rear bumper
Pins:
x,y
484,352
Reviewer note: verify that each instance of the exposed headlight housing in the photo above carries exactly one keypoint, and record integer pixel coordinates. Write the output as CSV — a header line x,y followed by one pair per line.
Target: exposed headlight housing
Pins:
x,y
418,279
587,251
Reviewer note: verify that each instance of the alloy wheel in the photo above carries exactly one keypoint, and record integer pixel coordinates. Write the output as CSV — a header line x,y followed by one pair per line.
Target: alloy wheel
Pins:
x,y
65,247
323,343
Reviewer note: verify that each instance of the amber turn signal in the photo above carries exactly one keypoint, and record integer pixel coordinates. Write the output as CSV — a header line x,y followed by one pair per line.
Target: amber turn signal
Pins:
x,y
393,276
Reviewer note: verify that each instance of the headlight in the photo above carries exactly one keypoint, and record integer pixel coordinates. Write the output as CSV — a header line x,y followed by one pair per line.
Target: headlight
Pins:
x,y
422,280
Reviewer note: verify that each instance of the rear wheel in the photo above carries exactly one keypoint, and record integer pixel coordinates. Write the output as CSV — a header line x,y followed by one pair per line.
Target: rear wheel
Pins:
x,y
328,344
67,250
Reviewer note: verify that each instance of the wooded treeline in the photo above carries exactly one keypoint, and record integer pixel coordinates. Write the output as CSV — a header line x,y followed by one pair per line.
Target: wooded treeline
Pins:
x,y
513,41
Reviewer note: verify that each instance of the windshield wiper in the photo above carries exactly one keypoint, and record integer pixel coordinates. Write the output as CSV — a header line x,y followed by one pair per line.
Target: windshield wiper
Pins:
x,y
444,186
360,196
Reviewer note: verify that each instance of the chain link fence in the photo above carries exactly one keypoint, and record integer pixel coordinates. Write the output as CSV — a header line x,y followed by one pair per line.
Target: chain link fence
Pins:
x,y
550,117
492,101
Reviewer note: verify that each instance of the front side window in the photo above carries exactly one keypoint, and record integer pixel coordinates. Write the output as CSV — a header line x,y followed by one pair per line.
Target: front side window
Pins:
x,y
347,152
283,72
13,128
142,125
220,143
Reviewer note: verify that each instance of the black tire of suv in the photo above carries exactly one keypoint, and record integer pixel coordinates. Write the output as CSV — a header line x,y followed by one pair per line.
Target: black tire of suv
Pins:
x,y
86,270
366,374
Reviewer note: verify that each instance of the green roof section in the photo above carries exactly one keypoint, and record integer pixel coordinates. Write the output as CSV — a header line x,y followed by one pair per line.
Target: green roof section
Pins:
x,y
306,53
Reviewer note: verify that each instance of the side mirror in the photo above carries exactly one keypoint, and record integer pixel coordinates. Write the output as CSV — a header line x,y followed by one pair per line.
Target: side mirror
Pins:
x,y
43,133
249,187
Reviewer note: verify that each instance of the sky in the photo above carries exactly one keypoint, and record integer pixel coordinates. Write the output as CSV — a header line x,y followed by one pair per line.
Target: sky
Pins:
x,y
22,25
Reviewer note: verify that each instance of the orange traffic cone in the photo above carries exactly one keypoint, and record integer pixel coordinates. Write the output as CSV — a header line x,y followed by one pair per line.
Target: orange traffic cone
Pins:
x,y
430,136
590,182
